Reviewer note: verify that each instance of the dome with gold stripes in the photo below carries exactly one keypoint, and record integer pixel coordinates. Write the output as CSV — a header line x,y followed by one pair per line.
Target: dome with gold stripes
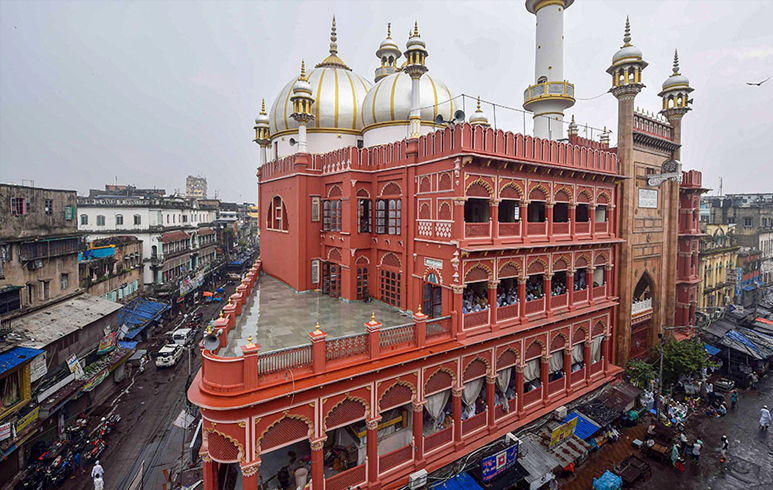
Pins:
x,y
338,95
389,101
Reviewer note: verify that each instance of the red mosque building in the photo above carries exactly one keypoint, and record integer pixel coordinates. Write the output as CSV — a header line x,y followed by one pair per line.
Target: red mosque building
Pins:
x,y
503,248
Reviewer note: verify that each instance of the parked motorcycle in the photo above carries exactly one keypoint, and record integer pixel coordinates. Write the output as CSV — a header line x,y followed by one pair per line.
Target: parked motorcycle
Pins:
x,y
94,449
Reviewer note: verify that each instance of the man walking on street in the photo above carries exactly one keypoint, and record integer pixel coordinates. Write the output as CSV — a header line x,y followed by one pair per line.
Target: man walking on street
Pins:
x,y
733,398
97,471
696,451
764,418
723,449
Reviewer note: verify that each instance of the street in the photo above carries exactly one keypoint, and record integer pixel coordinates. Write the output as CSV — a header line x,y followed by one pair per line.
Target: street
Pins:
x,y
148,405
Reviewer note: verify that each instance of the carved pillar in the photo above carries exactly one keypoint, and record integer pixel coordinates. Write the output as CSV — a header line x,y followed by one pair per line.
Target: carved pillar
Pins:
x,y
250,474
572,219
587,359
568,368
210,473
373,328
607,285
490,401
494,218
549,219
418,433
318,350
420,319
589,283
522,298
547,291
492,302
570,288
372,450
544,380
458,225
457,318
592,220
524,218
456,413
606,352
317,462
519,389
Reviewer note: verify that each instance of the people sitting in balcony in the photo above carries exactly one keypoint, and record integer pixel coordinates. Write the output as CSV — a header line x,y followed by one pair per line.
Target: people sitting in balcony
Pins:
x,y
558,289
556,375
577,366
532,385
533,291
579,280
468,412
473,302
507,298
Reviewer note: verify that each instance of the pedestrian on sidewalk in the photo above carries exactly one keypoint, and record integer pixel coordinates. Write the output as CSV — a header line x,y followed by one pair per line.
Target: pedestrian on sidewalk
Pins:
x,y
142,364
753,379
764,418
733,398
683,442
723,448
99,483
97,471
709,392
696,451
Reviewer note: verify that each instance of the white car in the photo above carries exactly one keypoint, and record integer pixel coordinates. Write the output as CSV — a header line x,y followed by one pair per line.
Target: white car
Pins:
x,y
169,355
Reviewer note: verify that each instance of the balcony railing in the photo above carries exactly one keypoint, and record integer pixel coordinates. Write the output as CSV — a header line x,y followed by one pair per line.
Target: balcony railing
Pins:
x,y
477,230
580,296
578,376
500,411
560,228
545,90
582,228
532,396
641,306
556,386
559,301
509,229
475,319
346,479
398,335
439,438
599,291
535,306
509,311
601,227
346,346
537,229
395,458
474,423
279,360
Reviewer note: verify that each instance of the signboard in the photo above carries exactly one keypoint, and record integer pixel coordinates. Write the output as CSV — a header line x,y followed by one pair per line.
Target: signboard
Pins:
x,y
69,213
107,343
5,431
496,464
94,382
434,263
25,421
58,386
738,280
75,366
648,198
731,276
38,367
562,433
188,284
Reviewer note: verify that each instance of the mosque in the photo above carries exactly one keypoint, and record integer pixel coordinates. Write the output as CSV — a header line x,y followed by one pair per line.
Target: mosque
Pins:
x,y
530,268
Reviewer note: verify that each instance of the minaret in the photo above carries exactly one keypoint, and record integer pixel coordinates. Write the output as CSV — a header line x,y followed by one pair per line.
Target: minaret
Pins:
x,y
479,117
676,102
626,68
302,102
388,52
416,55
551,94
262,136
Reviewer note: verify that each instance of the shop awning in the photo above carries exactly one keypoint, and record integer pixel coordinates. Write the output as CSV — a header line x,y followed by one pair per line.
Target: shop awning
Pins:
x,y
713,351
136,315
535,459
739,343
128,345
17,356
750,287
174,236
462,481
585,427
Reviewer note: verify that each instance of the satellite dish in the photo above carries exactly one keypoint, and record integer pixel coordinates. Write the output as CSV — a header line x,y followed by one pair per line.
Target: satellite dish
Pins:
x,y
293,142
212,342
459,116
439,120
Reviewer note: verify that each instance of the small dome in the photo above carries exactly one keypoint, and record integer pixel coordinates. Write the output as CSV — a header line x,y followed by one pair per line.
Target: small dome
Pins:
x,y
629,53
676,78
390,100
302,86
262,119
479,117
388,46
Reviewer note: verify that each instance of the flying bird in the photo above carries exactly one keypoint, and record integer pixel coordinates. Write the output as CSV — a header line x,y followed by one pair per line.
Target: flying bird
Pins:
x,y
758,83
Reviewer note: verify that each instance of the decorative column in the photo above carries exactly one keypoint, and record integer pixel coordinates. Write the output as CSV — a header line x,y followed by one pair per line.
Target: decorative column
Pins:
x,y
318,349
606,352
491,380
457,318
572,219
589,283
549,218
592,220
607,277
456,413
418,434
372,450
236,301
302,101
494,207
373,328
262,136
420,319
250,366
544,380
250,474
317,462
570,288
547,292
415,54
587,358
210,473
524,219
458,217
568,369
492,303
522,298
519,389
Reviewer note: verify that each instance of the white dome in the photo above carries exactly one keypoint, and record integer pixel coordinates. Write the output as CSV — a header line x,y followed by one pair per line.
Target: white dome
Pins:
x,y
628,53
338,95
674,80
390,100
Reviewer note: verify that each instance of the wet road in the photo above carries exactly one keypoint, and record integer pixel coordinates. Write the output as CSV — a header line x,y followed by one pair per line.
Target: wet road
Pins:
x,y
750,458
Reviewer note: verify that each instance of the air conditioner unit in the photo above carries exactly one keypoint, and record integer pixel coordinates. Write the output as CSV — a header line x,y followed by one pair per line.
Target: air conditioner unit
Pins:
x,y
561,412
417,480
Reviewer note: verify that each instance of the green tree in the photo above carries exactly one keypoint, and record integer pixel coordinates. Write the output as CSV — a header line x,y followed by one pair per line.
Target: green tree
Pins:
x,y
680,358
640,372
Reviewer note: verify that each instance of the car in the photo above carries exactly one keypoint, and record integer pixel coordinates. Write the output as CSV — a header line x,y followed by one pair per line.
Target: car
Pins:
x,y
169,355
183,336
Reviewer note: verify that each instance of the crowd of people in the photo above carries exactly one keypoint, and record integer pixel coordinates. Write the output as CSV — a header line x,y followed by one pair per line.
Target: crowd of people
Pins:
x,y
474,301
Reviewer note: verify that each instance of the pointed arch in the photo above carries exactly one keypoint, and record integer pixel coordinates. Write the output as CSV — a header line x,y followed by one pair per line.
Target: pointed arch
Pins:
x,y
285,430
440,380
479,188
346,411
535,349
477,273
389,259
479,366
399,393
334,191
508,357
391,188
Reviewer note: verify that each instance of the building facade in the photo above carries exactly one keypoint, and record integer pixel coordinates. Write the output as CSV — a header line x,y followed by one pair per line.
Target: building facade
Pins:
x,y
766,247
748,276
195,187
688,275
112,268
751,213
718,258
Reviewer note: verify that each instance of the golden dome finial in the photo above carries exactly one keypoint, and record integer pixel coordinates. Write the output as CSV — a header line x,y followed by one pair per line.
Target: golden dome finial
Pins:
x,y
263,108
479,102
333,38
627,36
676,63
389,30
221,314
249,341
419,309
209,329
316,327
303,71
416,29
373,317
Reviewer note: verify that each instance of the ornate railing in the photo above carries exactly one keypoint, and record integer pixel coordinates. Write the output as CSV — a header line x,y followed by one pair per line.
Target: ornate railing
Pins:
x,y
477,230
641,306
500,411
346,346
438,326
509,311
582,227
535,306
346,479
395,458
556,386
532,396
399,334
537,229
475,319
438,439
600,291
560,228
558,301
542,90
509,229
580,295
578,376
601,227
279,360
596,367
474,423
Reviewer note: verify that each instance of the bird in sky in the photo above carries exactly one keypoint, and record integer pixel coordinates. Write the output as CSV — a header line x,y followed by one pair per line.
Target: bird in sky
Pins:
x,y
758,83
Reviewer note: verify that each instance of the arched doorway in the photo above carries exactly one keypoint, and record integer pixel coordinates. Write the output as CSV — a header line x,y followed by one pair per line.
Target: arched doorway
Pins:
x,y
641,317
432,296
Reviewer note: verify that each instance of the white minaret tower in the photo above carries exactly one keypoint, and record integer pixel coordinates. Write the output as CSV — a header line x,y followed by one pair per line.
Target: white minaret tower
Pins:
x,y
551,94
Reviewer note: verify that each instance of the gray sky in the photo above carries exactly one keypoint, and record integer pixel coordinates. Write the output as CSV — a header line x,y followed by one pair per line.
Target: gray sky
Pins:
x,y
149,92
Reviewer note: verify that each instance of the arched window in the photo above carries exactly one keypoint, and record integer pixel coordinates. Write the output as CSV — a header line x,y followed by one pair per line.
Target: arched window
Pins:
x,y
277,215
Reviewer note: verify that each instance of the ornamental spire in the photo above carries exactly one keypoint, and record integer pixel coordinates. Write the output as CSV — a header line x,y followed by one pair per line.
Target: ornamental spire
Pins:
x,y
303,71
627,36
479,102
676,63
389,30
333,38
416,29
263,107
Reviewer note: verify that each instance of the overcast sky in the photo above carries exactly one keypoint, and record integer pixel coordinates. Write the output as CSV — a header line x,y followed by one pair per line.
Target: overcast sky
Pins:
x,y
149,92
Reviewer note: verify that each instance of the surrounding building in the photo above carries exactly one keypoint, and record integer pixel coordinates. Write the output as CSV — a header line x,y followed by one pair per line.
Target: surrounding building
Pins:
x,y
195,187
179,245
766,247
510,252
115,190
748,278
718,258
751,213
112,268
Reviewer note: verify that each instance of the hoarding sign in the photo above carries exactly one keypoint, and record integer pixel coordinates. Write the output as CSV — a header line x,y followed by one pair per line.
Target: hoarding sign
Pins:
x,y
75,366
38,367
496,464
563,432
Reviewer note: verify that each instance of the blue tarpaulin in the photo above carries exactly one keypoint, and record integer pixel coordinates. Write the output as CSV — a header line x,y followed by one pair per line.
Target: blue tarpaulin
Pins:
x,y
18,355
462,481
138,314
750,287
741,338
608,481
585,427
96,253
711,349
128,345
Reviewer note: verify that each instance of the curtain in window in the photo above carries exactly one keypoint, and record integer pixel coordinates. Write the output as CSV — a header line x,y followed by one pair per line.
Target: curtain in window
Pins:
x,y
595,349
531,371
436,403
471,391
503,381
556,362
578,353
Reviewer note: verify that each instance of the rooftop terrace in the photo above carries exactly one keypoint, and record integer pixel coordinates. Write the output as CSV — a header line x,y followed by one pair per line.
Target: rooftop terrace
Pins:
x,y
278,317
